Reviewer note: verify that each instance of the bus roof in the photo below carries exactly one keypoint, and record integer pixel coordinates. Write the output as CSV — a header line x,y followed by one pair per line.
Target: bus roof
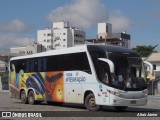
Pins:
x,y
76,49
113,49
83,48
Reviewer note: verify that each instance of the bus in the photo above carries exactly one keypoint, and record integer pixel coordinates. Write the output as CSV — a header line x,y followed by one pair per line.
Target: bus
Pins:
x,y
93,75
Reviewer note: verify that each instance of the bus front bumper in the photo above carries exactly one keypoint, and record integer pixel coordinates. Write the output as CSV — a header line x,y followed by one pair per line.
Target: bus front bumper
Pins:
x,y
118,101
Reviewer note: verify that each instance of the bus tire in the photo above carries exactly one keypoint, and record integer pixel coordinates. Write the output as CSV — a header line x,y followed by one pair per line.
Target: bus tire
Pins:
x,y
24,99
90,103
31,98
120,108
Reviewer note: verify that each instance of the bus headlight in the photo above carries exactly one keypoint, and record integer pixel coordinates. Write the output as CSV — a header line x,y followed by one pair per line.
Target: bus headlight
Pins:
x,y
116,93
145,92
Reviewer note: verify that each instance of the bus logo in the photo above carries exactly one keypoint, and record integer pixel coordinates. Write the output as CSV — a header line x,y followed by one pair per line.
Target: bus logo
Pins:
x,y
6,114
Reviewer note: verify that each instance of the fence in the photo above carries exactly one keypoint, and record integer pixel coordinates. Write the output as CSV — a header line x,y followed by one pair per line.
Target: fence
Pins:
x,y
4,84
154,87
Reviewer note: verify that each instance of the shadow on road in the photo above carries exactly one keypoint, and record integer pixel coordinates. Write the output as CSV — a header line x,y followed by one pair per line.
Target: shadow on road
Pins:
x,y
104,109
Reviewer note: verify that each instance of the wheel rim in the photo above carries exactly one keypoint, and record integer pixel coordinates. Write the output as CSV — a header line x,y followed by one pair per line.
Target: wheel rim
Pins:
x,y
92,102
31,99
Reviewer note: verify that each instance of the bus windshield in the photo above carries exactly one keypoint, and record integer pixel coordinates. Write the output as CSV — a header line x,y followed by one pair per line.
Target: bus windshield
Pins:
x,y
129,72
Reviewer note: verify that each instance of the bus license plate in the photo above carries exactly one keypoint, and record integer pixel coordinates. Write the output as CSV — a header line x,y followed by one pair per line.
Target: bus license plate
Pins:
x,y
133,102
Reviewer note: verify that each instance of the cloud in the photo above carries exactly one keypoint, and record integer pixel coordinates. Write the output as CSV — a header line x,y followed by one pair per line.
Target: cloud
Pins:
x,y
11,32
87,13
119,21
12,40
14,26
80,13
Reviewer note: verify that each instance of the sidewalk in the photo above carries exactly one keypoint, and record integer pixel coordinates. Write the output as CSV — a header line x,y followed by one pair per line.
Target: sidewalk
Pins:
x,y
154,98
4,90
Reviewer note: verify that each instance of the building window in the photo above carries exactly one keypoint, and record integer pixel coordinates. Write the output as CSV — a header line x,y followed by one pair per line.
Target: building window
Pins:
x,y
64,46
78,35
49,34
21,52
48,40
107,28
44,40
154,67
64,33
64,39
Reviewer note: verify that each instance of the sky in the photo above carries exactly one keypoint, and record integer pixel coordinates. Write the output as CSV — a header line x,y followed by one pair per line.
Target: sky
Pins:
x,y
20,19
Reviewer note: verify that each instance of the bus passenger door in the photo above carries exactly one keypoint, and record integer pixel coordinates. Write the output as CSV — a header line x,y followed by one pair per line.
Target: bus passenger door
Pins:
x,y
73,93
104,77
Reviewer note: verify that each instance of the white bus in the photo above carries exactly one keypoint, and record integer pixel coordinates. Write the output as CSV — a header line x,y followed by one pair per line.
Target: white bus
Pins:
x,y
93,75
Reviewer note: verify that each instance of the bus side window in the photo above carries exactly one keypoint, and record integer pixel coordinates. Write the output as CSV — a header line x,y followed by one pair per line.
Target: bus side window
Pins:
x,y
53,63
12,66
103,72
20,65
42,64
66,62
81,62
30,65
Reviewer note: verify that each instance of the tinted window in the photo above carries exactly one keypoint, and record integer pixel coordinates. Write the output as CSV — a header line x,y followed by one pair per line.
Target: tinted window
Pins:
x,y
53,63
95,54
30,65
42,63
19,64
66,62
81,62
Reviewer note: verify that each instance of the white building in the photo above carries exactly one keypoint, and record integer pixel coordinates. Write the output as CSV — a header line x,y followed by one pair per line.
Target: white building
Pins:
x,y
154,58
60,36
27,50
45,37
106,37
104,30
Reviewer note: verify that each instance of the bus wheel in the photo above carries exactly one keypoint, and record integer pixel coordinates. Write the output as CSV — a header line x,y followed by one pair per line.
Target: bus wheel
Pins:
x,y
120,108
24,97
31,98
90,103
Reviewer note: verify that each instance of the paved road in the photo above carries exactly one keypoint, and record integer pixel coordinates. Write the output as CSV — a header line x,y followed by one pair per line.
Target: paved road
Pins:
x,y
153,106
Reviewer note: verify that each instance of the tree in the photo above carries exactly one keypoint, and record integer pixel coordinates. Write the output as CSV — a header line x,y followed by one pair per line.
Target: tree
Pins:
x,y
144,50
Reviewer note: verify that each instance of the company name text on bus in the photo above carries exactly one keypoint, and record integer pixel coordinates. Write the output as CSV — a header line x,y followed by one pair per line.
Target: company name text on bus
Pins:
x,y
71,78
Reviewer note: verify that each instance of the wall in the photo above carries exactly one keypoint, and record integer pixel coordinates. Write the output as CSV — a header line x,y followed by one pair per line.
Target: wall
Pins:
x,y
45,37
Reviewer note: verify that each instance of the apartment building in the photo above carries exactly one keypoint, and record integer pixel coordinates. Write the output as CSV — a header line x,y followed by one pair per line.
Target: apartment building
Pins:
x,y
61,35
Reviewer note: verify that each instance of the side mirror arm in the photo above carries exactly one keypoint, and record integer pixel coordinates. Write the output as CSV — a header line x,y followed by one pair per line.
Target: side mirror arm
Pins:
x,y
110,63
